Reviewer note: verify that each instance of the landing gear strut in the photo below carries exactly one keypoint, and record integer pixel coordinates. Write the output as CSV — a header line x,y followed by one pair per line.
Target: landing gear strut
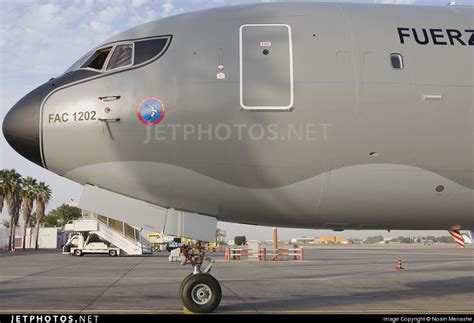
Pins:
x,y
200,292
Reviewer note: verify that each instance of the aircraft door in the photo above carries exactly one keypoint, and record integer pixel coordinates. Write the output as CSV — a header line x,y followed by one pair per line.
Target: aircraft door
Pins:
x,y
266,67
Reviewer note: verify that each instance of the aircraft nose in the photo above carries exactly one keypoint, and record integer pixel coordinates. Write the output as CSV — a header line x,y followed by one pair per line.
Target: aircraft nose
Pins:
x,y
21,127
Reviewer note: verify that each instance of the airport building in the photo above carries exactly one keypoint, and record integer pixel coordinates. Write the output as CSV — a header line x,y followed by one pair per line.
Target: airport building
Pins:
x,y
48,238
331,240
303,240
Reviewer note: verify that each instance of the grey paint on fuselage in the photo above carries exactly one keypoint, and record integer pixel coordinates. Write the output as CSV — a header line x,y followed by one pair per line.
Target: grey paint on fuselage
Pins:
x,y
417,121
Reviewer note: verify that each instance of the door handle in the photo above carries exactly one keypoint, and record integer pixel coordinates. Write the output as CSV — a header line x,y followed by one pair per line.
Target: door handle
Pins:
x,y
431,97
109,98
109,120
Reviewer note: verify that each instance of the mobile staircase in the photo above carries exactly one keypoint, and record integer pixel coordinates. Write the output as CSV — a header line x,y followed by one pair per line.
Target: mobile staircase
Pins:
x,y
117,233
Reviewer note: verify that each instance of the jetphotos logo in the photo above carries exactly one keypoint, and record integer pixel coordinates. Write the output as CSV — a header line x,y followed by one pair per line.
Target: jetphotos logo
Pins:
x,y
151,111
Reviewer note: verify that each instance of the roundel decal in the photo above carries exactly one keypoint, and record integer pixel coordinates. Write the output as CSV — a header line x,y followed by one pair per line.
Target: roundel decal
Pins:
x,y
151,111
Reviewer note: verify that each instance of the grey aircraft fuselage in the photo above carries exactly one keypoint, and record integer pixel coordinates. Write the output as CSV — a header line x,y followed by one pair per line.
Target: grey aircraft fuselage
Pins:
x,y
309,115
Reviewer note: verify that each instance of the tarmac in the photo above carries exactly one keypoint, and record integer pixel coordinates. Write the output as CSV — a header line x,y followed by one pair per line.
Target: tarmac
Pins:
x,y
332,279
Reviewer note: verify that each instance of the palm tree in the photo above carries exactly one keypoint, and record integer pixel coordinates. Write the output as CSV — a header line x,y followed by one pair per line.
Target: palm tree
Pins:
x,y
12,190
32,226
220,236
28,195
2,189
43,195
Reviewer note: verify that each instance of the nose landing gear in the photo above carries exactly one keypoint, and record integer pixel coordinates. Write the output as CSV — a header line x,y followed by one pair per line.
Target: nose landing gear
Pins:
x,y
200,292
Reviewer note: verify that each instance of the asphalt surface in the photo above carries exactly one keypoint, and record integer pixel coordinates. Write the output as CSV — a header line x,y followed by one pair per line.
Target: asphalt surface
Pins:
x,y
332,279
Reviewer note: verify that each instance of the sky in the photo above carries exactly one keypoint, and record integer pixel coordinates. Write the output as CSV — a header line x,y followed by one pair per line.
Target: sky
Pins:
x,y
41,39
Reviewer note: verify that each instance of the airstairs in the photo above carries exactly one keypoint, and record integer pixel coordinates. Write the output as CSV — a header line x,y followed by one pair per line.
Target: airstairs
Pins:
x,y
118,233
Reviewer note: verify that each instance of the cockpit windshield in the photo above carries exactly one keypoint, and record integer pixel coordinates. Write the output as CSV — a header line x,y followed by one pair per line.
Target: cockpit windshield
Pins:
x,y
122,54
79,62
98,59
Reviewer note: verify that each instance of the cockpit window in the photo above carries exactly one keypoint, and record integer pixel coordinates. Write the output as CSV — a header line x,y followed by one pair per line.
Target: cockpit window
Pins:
x,y
121,57
97,60
147,49
123,54
79,62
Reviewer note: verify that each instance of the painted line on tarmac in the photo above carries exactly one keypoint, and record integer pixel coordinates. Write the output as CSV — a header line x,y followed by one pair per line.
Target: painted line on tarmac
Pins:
x,y
131,311
78,311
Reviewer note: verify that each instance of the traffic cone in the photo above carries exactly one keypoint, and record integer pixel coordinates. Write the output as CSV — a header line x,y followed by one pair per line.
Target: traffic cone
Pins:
x,y
399,263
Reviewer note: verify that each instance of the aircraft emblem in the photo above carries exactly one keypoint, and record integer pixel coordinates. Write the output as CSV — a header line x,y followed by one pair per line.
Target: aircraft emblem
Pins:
x,y
151,111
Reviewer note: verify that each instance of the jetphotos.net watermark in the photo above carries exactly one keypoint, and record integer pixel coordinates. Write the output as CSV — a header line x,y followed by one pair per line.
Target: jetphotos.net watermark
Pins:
x,y
240,132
